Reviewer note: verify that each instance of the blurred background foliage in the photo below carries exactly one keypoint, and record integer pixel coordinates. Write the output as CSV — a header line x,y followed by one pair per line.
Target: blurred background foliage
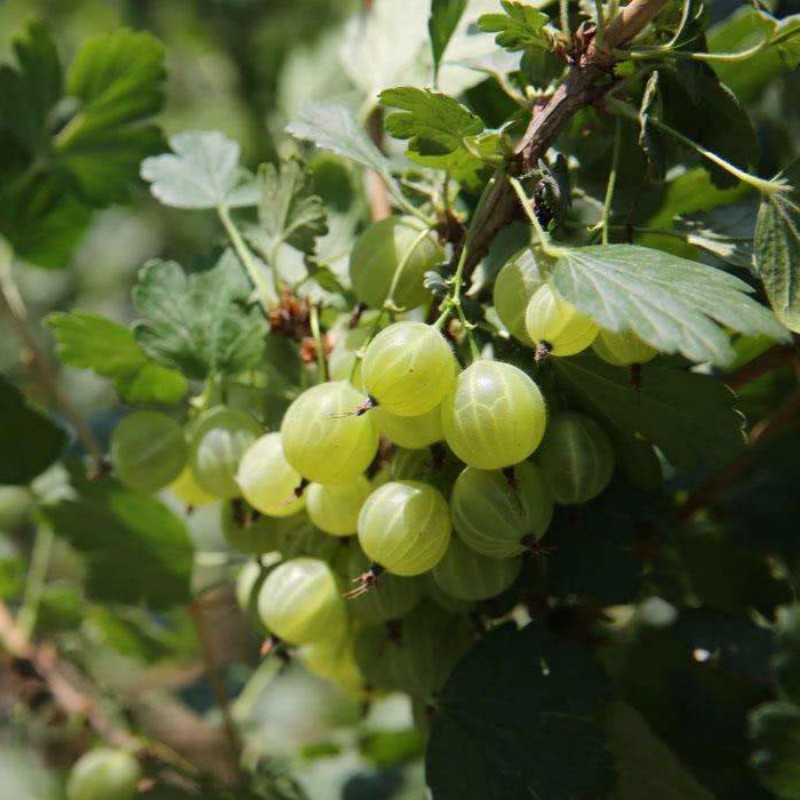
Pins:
x,y
225,61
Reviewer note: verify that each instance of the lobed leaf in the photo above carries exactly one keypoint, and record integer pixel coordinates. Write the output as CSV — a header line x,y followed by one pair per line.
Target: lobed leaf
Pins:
x,y
441,132
287,210
118,82
87,341
199,323
521,27
29,93
203,171
674,304
333,128
118,79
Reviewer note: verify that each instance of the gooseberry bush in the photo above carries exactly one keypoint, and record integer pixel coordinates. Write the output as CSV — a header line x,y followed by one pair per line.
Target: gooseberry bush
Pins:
x,y
490,385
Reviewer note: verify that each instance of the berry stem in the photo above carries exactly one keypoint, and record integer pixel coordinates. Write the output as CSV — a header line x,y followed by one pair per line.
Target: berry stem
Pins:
x,y
35,582
765,187
388,304
267,298
322,362
612,181
13,306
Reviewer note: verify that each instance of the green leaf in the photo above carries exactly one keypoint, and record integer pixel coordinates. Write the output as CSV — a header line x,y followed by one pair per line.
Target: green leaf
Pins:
x,y
118,82
386,749
434,123
693,192
670,302
785,40
118,79
441,132
781,36
136,549
593,555
690,417
103,163
202,172
29,94
699,707
287,209
200,323
333,128
133,635
786,663
445,16
646,767
517,717
775,731
715,118
87,341
777,257
521,27
45,225
747,27
31,441
727,577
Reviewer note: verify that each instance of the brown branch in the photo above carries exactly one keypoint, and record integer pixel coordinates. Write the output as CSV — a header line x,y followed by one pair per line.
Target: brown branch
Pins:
x,y
380,203
776,356
216,679
587,81
762,432
66,685
187,747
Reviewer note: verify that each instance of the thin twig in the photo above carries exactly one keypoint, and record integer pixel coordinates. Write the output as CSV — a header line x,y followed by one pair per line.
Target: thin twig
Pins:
x,y
216,679
586,82
35,581
776,356
13,306
65,684
762,432
380,202
73,693
612,180
266,296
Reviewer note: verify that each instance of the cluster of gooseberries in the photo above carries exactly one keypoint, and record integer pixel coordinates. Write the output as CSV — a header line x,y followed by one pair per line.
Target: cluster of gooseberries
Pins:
x,y
403,490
